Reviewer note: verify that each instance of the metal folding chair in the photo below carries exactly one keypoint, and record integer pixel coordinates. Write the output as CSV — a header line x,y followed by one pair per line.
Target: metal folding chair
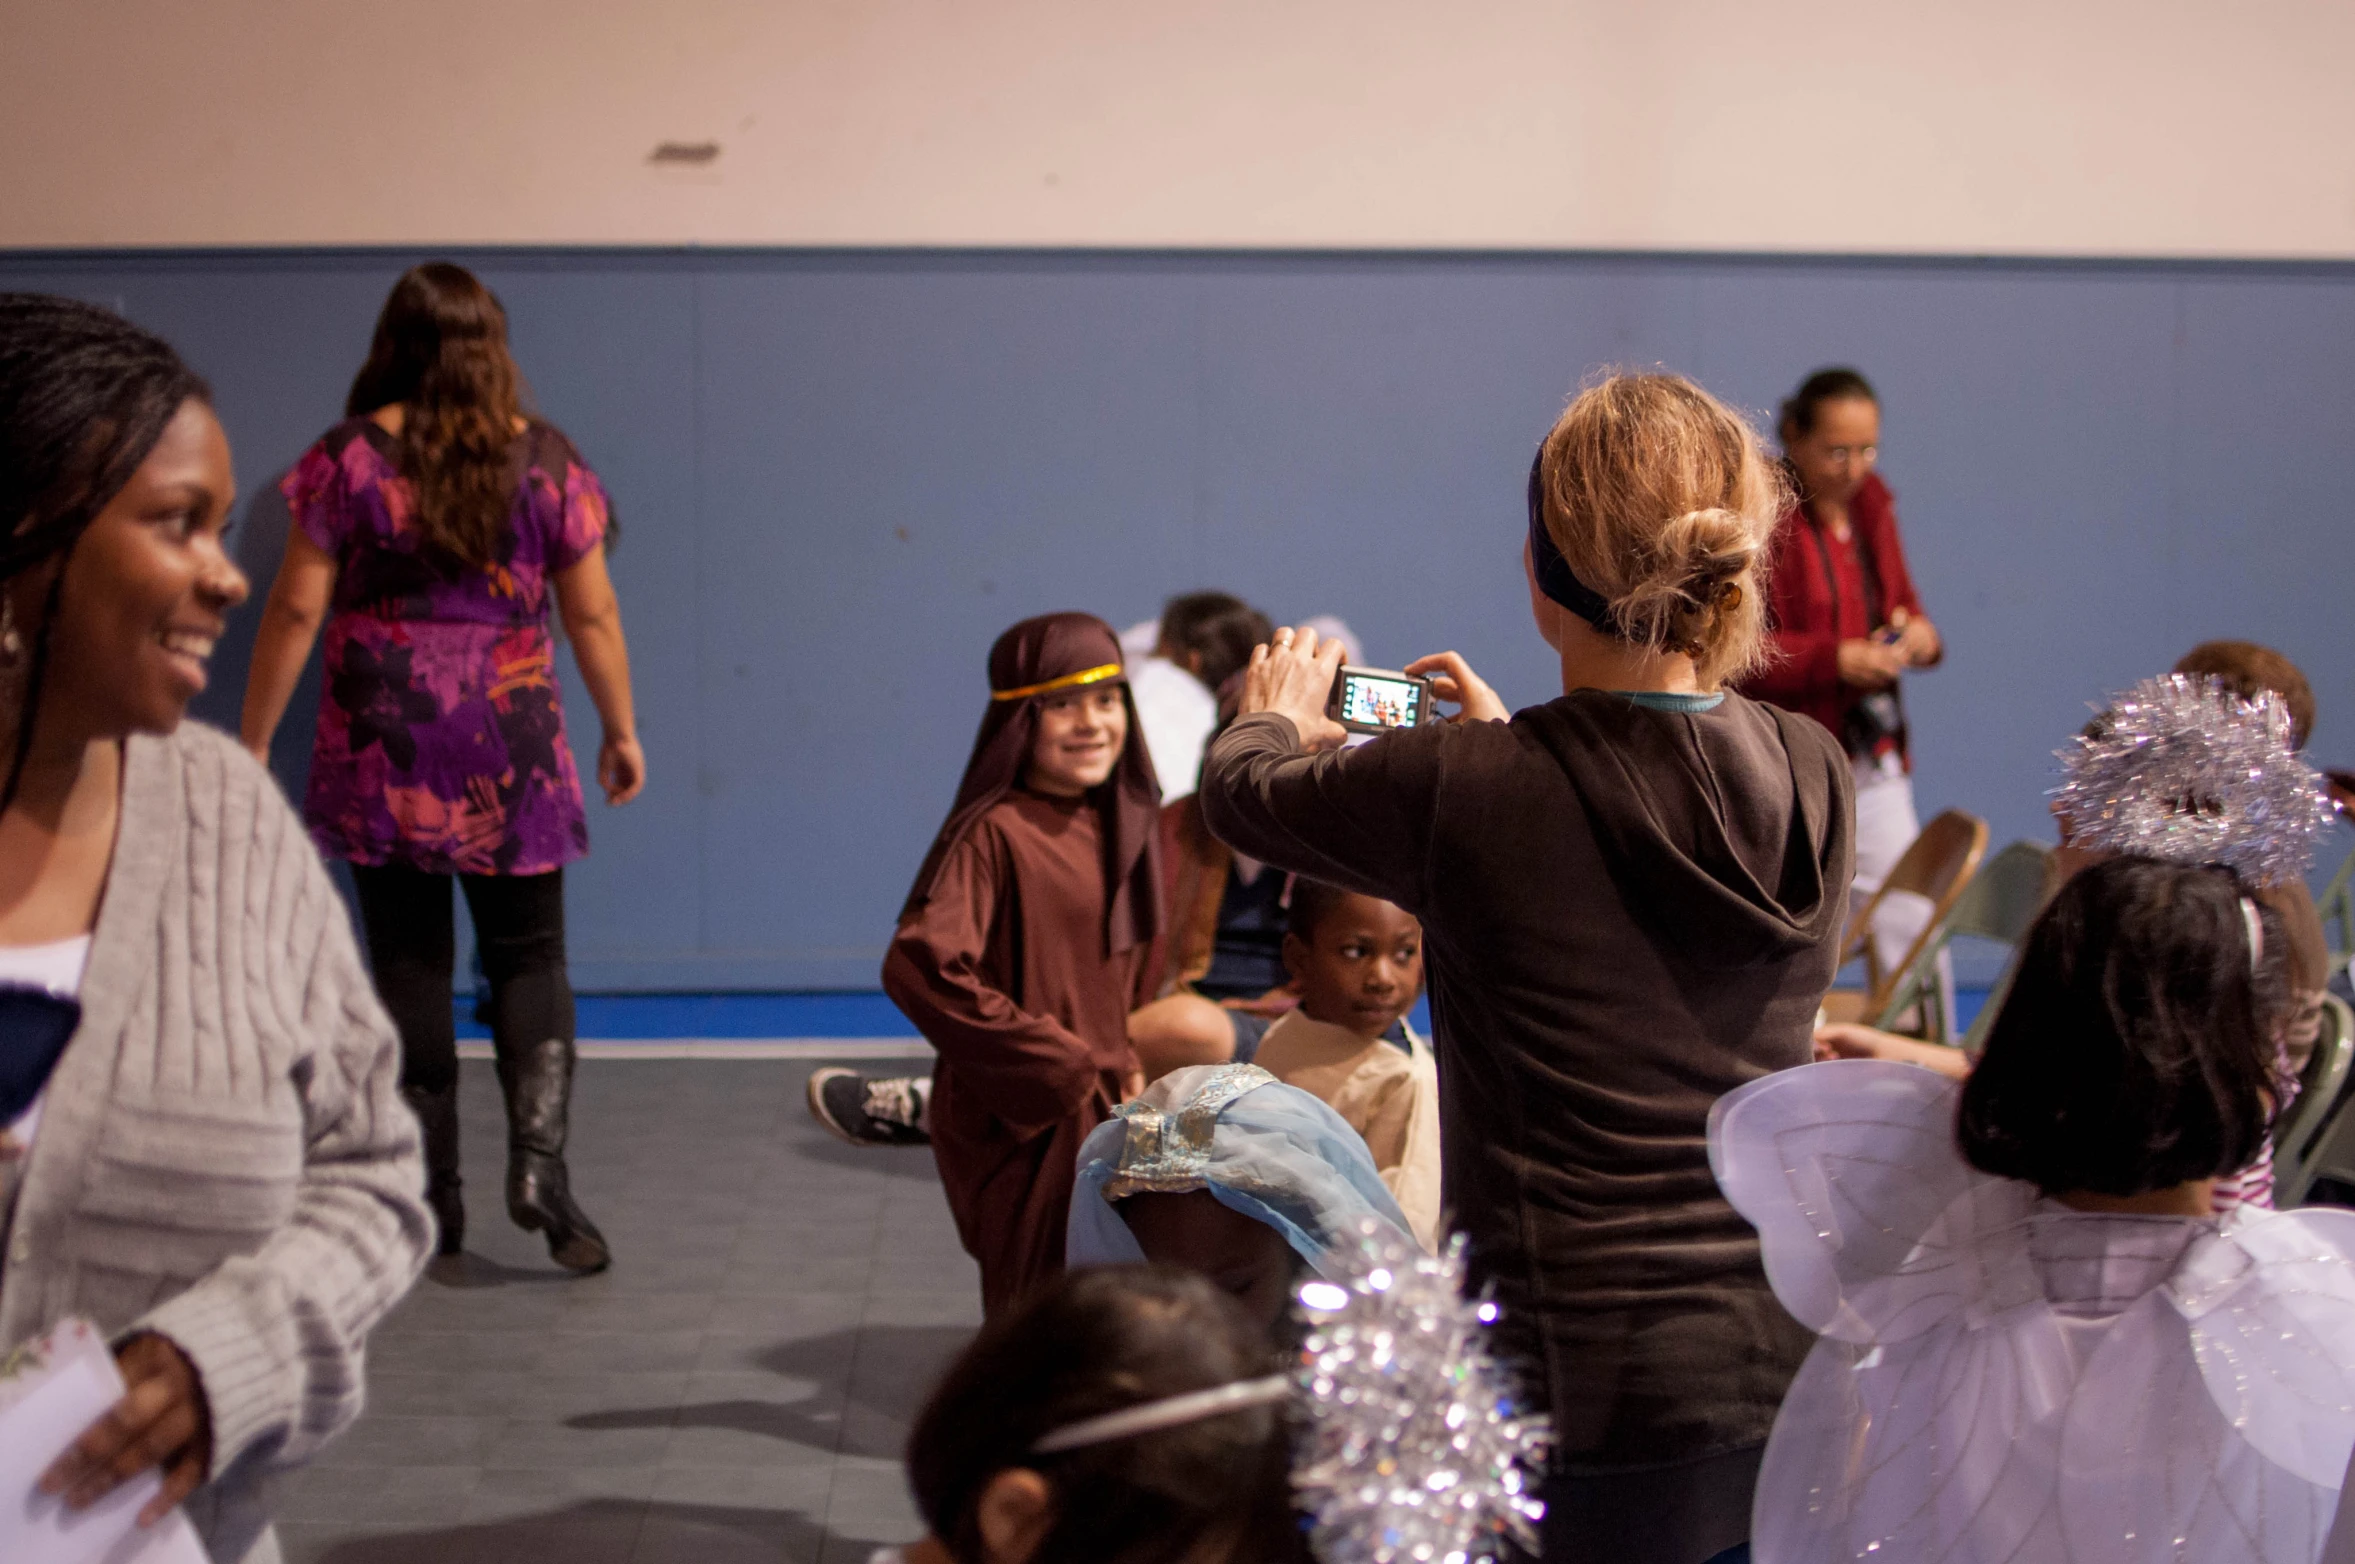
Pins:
x,y
2337,906
1938,866
2316,1138
2000,902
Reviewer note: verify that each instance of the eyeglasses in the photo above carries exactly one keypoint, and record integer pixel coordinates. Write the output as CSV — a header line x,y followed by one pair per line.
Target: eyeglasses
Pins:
x,y
1842,455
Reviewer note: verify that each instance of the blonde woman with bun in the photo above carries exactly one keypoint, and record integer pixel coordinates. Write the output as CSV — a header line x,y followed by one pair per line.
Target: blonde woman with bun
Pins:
x,y
1631,898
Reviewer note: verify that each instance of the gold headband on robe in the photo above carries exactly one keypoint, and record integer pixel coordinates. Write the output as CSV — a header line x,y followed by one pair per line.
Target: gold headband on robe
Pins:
x,y
1096,675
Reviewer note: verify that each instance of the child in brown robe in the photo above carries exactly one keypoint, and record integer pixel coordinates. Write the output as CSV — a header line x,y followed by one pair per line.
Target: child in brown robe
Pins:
x,y
1027,939
1357,962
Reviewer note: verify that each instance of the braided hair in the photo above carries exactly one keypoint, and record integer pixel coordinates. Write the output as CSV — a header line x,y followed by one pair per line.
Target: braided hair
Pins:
x,y
84,396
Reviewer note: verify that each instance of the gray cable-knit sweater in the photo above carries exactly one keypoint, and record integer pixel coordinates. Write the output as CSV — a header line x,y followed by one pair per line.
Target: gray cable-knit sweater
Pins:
x,y
224,1157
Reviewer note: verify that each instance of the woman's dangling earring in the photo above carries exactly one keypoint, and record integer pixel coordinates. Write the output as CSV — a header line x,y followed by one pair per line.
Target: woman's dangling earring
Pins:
x,y
12,641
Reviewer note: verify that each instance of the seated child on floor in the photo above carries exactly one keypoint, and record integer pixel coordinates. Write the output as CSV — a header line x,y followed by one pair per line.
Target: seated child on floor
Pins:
x,y
1128,1415
1225,1170
2036,1339
1357,964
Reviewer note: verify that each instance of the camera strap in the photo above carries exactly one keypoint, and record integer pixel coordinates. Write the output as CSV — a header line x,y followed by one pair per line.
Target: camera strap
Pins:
x,y
1867,567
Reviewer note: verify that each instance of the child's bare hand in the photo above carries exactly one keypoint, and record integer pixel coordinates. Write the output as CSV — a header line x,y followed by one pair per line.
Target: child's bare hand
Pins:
x,y
1847,1040
1453,681
1292,676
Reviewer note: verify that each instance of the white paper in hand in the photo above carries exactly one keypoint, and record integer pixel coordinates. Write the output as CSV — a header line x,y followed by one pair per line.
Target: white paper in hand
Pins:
x,y
51,1390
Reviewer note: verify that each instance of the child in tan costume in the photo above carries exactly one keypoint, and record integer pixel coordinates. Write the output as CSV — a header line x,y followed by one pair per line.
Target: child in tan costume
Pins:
x,y
1358,965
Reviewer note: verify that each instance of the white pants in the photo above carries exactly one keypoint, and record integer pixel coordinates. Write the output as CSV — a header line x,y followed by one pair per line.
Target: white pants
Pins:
x,y
1885,827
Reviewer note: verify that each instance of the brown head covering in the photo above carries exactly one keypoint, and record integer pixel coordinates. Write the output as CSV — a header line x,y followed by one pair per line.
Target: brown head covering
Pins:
x,y
1050,655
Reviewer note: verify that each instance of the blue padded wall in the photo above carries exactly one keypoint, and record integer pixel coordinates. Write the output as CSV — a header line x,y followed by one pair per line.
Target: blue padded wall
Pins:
x,y
841,473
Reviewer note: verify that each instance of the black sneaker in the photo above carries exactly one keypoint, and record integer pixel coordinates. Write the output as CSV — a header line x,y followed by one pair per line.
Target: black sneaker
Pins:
x,y
885,1112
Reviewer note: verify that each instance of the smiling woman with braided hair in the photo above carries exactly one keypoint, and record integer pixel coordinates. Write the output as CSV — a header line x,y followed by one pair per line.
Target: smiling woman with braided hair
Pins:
x,y
214,1167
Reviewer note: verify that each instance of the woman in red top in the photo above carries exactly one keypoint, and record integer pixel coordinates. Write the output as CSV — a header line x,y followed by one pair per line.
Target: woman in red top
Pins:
x,y
1847,622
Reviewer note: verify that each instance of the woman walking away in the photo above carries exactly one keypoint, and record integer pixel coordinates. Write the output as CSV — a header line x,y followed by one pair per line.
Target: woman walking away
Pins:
x,y
203,1152
1631,898
429,528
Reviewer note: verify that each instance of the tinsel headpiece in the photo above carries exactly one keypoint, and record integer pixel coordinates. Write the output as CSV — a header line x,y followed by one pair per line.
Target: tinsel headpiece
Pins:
x,y
1415,1451
2181,769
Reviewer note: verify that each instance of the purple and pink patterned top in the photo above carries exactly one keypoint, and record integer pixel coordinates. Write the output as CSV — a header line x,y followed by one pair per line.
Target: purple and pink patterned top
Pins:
x,y
441,733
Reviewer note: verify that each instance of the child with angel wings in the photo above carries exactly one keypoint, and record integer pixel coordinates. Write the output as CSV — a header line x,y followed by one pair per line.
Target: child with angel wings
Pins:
x,y
2038,1343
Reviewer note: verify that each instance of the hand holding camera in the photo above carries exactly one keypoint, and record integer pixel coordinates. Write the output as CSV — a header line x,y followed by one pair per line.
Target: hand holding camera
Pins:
x,y
1453,681
1870,664
1293,676
1303,677
1874,663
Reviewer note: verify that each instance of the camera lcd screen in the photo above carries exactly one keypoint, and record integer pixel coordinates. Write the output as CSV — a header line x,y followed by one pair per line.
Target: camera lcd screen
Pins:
x,y
1372,701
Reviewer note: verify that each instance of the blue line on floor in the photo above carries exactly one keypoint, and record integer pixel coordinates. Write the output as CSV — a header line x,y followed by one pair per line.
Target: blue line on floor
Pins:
x,y
864,1014
725,1015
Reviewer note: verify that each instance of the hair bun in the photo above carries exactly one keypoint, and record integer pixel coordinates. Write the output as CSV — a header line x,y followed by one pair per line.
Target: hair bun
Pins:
x,y
1660,497
1715,544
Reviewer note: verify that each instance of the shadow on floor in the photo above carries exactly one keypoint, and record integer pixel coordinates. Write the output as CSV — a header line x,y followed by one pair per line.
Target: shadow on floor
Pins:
x,y
909,1162
469,1270
615,1531
891,1367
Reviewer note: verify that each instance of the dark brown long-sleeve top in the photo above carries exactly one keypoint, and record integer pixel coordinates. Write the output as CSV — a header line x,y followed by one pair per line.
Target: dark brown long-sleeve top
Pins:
x,y
1627,913
1004,970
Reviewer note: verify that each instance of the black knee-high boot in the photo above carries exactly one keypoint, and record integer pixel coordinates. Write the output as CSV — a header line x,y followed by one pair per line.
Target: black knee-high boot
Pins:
x,y
538,1081
437,1112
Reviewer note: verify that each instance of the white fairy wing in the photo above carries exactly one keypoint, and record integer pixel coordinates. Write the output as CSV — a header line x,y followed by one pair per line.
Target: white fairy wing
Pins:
x,y
2153,1471
2271,1308
1940,1449
1943,1417
2215,1420
1926,1425
1872,1227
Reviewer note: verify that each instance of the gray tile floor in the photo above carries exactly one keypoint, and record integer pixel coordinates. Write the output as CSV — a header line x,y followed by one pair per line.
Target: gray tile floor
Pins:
x,y
738,1385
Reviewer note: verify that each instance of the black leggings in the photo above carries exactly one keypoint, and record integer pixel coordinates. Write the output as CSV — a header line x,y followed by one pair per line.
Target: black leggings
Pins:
x,y
412,944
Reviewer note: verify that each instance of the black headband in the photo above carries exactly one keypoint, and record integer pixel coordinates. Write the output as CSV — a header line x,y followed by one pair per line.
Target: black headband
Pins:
x,y
1554,576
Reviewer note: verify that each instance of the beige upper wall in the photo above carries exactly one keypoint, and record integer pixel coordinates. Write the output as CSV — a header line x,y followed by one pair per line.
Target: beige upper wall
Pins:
x,y
2139,127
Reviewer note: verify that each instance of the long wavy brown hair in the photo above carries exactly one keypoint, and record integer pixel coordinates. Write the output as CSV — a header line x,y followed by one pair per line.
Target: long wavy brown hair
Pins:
x,y
440,351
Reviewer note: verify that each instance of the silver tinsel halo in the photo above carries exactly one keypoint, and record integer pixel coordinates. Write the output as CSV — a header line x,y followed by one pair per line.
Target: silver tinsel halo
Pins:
x,y
2182,769
1414,1451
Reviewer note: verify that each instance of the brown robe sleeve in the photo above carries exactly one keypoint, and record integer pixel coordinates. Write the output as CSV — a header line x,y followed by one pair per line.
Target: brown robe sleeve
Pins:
x,y
1358,818
1028,1071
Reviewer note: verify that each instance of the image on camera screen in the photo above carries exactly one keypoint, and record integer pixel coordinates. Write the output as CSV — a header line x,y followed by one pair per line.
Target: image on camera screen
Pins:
x,y
1379,703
